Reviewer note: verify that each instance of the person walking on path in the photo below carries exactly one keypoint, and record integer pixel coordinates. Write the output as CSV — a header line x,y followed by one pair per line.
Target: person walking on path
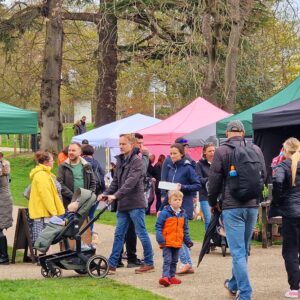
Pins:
x,y
6,207
80,126
44,200
202,170
127,188
184,175
171,231
74,173
239,216
286,203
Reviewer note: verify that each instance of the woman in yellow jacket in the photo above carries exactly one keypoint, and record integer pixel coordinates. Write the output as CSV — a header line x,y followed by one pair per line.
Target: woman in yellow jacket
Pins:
x,y
44,201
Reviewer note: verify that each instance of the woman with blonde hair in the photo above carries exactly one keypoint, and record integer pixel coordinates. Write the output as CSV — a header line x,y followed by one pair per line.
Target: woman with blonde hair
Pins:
x,y
286,203
44,201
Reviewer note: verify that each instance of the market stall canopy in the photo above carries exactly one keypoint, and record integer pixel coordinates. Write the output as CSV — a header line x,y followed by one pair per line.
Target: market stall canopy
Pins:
x,y
14,120
108,135
290,93
197,114
272,127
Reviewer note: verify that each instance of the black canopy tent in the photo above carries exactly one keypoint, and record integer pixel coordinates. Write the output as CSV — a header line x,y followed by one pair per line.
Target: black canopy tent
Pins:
x,y
272,127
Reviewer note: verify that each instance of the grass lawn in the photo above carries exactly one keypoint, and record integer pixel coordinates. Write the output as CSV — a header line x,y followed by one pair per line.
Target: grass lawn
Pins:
x,y
71,288
196,228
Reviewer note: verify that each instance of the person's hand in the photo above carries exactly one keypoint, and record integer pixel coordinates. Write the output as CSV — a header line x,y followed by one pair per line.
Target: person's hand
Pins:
x,y
195,200
217,206
111,198
158,212
178,186
102,197
153,179
190,244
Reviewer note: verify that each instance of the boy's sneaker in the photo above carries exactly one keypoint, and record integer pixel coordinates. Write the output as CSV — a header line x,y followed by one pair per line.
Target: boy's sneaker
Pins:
x,y
144,269
226,285
164,281
174,280
291,294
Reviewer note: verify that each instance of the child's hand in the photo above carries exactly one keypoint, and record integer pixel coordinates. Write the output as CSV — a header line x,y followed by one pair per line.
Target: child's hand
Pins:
x,y
190,244
162,246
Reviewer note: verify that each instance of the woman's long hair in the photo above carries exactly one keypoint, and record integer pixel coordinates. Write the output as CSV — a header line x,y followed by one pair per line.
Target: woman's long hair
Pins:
x,y
292,146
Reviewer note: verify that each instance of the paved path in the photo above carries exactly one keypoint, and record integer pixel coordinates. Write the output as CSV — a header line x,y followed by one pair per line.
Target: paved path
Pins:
x,y
267,272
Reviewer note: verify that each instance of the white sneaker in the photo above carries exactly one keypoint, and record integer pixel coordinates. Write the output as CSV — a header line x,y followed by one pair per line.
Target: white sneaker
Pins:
x,y
291,294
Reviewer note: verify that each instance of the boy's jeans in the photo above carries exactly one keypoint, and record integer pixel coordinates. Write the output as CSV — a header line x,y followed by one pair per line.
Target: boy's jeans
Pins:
x,y
239,224
138,218
170,256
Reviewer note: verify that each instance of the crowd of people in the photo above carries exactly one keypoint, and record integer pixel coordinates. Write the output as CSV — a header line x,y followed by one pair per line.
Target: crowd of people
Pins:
x,y
213,181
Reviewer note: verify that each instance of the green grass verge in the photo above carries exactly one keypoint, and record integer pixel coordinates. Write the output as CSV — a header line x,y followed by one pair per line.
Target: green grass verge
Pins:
x,y
72,288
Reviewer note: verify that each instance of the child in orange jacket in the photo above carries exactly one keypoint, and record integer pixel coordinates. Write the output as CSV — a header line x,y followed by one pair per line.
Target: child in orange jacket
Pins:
x,y
171,231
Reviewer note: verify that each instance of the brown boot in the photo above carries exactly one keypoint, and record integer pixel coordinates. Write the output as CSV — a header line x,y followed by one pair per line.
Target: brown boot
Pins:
x,y
144,269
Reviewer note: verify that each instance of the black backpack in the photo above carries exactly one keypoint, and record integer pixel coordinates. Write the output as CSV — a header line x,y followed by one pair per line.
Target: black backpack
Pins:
x,y
248,182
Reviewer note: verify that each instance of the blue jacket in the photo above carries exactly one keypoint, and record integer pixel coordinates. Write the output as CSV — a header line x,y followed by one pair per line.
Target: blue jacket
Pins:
x,y
171,229
184,173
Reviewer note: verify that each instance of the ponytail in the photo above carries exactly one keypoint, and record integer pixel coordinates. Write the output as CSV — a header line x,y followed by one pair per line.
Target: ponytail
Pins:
x,y
295,159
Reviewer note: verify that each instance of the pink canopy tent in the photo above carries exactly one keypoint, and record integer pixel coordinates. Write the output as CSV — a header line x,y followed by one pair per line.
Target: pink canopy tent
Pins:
x,y
197,114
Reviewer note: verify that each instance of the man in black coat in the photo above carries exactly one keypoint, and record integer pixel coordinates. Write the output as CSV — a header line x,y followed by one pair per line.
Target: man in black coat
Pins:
x,y
239,216
127,188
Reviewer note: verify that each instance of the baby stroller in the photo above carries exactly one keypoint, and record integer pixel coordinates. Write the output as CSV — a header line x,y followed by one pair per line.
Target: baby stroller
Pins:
x,y
83,259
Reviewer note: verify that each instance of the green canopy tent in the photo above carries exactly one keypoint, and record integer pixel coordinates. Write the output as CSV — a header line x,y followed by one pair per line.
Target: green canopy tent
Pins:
x,y
15,120
290,93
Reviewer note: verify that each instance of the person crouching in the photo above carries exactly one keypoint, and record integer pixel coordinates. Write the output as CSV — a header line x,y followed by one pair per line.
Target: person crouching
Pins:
x,y
171,231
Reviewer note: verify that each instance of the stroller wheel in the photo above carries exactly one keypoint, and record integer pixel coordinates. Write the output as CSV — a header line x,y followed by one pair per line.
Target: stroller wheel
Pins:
x,y
97,266
81,271
223,250
45,273
56,273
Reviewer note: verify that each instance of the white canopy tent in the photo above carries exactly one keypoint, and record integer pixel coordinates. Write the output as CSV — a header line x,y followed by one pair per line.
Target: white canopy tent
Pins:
x,y
106,138
108,135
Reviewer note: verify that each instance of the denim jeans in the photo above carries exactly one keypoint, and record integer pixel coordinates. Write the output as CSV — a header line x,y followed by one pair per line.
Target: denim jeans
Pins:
x,y
91,215
239,224
184,255
138,218
170,256
206,212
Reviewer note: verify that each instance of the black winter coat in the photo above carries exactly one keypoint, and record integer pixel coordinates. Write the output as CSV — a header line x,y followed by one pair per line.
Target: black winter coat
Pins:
x,y
202,170
286,198
218,182
128,182
65,178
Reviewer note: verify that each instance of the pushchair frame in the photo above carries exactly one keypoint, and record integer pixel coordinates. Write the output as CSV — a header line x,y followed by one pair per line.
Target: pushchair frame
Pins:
x,y
82,261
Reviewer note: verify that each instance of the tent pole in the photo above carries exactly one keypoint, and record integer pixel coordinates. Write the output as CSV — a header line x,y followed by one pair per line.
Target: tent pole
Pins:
x,y
15,145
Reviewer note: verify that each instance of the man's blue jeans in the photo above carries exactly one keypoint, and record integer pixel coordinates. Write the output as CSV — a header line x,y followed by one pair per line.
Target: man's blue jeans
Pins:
x,y
138,218
239,224
184,255
206,212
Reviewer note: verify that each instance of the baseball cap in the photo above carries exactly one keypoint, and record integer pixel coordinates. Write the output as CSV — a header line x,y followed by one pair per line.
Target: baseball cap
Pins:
x,y
235,126
182,141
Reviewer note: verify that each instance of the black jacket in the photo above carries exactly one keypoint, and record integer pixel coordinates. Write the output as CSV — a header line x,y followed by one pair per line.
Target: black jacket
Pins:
x,y
65,178
202,170
286,198
218,182
128,182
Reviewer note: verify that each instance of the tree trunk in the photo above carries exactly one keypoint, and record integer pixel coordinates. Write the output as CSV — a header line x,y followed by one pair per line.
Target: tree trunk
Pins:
x,y
106,85
239,11
51,126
